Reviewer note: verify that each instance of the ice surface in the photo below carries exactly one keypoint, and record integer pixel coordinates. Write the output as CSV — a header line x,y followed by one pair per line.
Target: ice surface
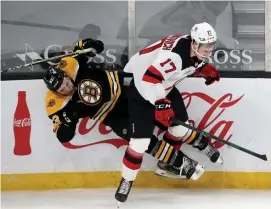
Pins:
x,y
139,198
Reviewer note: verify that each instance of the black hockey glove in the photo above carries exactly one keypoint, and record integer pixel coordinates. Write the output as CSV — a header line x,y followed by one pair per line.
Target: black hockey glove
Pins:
x,y
89,43
69,114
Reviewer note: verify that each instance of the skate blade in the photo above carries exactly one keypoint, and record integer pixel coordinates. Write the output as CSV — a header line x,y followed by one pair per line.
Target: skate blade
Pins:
x,y
164,173
118,204
220,160
198,173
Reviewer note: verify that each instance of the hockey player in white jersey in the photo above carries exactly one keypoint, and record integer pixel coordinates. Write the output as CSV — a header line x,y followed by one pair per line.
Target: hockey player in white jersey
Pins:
x,y
153,96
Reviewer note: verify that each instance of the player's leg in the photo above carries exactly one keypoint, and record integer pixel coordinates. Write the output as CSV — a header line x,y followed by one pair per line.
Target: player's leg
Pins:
x,y
178,134
118,118
173,162
140,127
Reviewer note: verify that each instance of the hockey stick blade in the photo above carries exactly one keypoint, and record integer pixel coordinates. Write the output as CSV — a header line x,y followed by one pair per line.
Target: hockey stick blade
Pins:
x,y
262,157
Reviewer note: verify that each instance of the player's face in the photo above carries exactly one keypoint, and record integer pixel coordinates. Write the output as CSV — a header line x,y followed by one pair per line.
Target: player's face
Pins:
x,y
205,51
66,87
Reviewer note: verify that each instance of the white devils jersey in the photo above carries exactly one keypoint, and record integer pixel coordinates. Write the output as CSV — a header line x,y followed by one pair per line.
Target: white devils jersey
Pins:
x,y
157,68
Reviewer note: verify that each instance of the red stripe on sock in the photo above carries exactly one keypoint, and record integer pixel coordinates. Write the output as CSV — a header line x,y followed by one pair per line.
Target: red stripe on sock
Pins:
x,y
133,153
130,165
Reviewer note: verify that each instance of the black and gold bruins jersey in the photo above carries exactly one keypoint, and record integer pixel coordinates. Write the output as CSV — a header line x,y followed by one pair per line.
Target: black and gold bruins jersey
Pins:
x,y
96,94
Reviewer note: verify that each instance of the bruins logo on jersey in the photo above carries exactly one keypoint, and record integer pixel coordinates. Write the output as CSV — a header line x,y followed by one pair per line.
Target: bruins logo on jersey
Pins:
x,y
90,92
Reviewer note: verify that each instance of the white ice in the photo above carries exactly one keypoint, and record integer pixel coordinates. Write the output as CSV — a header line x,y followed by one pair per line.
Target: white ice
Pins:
x,y
139,198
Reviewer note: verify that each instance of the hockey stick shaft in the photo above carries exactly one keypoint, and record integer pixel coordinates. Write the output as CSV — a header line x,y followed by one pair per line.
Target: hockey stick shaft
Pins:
x,y
51,58
262,157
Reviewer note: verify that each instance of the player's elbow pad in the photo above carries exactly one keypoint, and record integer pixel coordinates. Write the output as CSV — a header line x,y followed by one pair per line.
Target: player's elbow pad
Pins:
x,y
65,133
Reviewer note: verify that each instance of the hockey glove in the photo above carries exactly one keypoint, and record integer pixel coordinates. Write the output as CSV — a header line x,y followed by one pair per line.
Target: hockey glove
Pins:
x,y
69,114
89,43
163,112
208,72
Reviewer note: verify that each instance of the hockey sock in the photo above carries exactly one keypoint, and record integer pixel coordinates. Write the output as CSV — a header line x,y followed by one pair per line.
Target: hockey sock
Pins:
x,y
165,152
132,161
203,141
189,138
174,141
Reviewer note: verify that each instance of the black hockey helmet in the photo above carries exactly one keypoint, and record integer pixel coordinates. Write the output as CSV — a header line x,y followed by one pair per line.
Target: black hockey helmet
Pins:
x,y
54,78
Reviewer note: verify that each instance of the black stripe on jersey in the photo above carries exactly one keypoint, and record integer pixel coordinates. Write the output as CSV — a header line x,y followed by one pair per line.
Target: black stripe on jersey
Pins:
x,y
152,75
149,73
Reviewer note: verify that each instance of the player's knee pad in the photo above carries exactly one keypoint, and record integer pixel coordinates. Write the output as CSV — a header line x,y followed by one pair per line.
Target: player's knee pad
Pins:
x,y
139,145
185,135
178,131
175,135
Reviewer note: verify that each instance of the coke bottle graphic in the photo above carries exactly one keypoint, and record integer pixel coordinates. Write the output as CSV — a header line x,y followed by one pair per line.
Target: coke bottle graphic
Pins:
x,y
22,126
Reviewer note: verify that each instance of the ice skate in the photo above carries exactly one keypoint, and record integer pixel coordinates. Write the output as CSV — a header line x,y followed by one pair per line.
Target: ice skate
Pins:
x,y
123,191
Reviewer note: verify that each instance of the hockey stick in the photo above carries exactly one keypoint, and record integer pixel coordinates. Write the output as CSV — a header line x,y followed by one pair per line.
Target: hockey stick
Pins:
x,y
91,50
263,157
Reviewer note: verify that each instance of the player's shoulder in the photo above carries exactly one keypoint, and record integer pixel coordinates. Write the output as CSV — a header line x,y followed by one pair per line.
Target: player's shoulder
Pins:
x,y
183,43
171,42
55,102
182,46
69,65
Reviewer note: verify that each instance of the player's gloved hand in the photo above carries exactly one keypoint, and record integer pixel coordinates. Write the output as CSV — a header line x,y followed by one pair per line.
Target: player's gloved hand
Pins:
x,y
208,72
163,112
69,115
69,118
89,43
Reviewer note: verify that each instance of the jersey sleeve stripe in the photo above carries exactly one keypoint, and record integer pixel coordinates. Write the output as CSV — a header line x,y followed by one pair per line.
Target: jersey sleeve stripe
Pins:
x,y
156,72
150,79
116,91
152,75
153,47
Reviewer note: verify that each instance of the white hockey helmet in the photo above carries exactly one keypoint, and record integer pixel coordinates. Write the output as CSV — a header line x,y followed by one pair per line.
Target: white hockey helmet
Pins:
x,y
203,34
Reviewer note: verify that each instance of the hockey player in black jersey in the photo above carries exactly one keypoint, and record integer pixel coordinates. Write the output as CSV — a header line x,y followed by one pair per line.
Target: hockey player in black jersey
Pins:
x,y
156,71
77,89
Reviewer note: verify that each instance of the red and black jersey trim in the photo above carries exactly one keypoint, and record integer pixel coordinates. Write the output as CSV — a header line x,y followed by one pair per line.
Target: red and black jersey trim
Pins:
x,y
152,75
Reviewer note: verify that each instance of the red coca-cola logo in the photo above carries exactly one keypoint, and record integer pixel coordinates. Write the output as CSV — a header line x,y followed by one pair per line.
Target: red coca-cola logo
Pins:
x,y
209,120
217,108
103,130
22,126
22,122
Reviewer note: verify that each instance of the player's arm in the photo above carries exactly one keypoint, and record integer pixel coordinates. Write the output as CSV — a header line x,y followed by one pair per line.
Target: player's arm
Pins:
x,y
64,123
208,72
158,72
161,70
71,64
85,44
